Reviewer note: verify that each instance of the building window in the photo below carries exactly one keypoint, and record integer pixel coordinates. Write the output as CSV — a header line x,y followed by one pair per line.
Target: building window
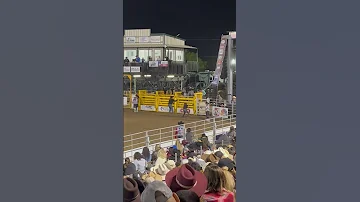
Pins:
x,y
130,54
179,55
171,54
145,54
157,54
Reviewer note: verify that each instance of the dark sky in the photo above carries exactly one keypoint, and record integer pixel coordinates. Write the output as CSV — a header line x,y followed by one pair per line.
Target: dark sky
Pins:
x,y
192,19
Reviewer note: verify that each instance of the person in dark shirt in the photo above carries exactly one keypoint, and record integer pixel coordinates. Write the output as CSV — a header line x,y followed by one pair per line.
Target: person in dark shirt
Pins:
x,y
170,104
126,60
185,109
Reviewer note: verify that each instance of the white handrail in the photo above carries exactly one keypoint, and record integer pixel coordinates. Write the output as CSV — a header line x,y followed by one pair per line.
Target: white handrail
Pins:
x,y
166,134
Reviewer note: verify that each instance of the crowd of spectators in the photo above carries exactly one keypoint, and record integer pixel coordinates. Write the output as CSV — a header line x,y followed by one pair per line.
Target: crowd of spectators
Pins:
x,y
192,170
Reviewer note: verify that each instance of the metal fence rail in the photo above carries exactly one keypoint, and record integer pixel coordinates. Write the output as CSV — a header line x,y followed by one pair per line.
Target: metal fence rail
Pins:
x,y
158,136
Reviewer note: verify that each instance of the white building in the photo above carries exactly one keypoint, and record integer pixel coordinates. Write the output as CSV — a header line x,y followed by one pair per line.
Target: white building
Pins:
x,y
147,45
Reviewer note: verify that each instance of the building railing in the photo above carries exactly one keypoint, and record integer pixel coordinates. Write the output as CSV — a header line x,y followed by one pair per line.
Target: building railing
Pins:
x,y
174,67
166,136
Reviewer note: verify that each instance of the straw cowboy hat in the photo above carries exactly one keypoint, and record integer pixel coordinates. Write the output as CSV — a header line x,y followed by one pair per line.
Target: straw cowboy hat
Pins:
x,y
212,158
150,193
161,170
131,190
225,152
186,178
161,158
152,175
170,164
204,166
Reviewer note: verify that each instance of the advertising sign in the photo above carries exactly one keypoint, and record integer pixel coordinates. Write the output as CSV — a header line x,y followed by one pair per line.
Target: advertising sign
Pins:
x,y
163,109
130,39
155,39
164,64
144,39
135,69
220,112
153,64
181,111
147,108
126,68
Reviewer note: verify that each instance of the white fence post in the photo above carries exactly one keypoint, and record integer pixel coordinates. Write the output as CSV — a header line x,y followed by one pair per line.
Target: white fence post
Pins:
x,y
172,134
147,140
214,132
160,135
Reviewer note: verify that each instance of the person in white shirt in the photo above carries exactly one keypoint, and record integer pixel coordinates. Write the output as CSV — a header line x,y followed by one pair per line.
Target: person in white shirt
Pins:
x,y
136,103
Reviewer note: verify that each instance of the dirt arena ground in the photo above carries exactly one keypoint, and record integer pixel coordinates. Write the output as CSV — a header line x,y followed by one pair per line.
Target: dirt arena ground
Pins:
x,y
161,126
142,121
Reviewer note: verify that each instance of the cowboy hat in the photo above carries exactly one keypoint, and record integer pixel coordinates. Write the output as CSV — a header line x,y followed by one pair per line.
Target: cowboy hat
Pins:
x,y
151,191
130,169
212,158
170,164
226,162
186,178
225,152
131,190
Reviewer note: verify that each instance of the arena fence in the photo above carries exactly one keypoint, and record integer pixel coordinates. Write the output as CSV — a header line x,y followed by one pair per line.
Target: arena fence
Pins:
x,y
158,101
165,136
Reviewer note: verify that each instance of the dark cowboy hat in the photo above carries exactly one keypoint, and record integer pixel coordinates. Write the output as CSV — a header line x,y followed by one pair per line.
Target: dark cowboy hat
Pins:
x,y
180,122
131,190
186,178
226,162
130,169
140,184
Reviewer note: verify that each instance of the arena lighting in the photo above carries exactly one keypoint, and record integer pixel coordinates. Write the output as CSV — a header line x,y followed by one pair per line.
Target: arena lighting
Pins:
x,y
147,76
170,76
136,76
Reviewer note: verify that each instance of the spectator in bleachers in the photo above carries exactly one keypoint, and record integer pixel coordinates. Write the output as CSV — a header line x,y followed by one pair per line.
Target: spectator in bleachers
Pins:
x,y
189,136
223,139
158,191
127,162
232,132
161,157
126,60
205,142
137,59
146,154
131,190
186,178
130,170
195,165
215,190
207,175
140,163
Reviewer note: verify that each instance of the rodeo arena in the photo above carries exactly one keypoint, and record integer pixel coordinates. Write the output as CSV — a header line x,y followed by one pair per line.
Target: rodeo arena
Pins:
x,y
179,123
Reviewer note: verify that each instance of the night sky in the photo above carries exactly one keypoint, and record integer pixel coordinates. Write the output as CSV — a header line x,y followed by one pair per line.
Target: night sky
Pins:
x,y
199,22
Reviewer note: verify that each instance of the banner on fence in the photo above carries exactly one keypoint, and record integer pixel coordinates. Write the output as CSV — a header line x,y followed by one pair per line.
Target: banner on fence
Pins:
x,y
153,63
220,111
163,109
201,108
125,101
148,108
181,111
